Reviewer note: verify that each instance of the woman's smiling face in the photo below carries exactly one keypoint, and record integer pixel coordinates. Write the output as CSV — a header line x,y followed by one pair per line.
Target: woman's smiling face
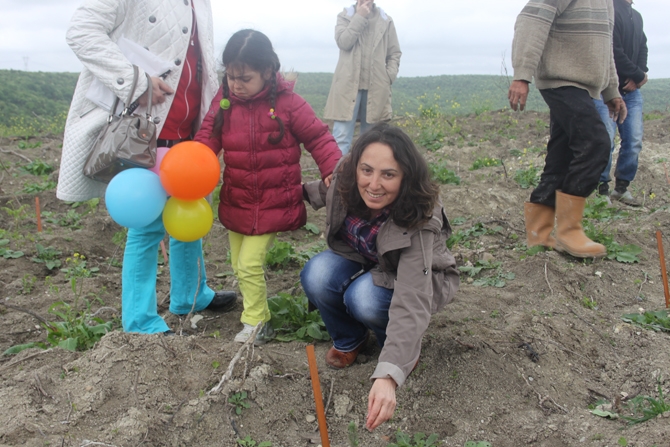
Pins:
x,y
378,176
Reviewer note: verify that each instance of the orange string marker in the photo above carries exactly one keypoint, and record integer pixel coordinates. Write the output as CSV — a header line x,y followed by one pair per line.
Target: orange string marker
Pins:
x,y
318,398
38,214
664,273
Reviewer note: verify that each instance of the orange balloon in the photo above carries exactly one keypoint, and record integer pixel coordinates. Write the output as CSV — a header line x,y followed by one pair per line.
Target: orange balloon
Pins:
x,y
189,171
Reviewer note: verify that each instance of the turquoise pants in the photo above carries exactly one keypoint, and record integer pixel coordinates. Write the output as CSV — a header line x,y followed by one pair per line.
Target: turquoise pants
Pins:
x,y
138,282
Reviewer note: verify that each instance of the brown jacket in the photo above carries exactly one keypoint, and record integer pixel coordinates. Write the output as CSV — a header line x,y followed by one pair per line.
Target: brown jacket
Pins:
x,y
383,67
406,257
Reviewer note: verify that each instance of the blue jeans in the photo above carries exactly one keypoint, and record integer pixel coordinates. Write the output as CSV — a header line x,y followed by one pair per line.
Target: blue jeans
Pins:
x,y
630,131
343,131
348,307
139,309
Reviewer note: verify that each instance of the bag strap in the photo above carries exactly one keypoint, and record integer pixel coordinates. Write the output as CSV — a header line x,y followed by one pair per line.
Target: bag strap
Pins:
x,y
127,104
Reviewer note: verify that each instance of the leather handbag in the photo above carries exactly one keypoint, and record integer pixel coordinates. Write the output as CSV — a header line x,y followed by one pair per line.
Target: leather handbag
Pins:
x,y
126,141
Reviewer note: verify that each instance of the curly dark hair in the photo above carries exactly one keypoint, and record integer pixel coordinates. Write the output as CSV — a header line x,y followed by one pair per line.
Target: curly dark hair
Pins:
x,y
418,194
253,49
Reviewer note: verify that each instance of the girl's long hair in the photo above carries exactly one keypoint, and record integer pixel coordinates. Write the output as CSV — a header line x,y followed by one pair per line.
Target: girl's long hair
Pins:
x,y
418,194
253,49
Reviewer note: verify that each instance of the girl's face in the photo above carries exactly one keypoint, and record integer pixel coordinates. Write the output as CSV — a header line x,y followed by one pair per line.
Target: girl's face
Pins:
x,y
378,176
246,83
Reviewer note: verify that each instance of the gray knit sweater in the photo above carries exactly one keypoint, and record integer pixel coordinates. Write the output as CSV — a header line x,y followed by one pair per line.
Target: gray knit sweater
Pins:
x,y
566,43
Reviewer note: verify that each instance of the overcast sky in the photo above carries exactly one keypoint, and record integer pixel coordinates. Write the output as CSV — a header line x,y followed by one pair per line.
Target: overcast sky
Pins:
x,y
436,36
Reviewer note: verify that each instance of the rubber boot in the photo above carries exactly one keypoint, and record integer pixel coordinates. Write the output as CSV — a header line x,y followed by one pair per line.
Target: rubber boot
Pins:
x,y
539,224
569,232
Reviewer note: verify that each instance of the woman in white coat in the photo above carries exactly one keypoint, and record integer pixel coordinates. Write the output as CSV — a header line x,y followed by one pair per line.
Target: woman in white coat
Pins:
x,y
178,32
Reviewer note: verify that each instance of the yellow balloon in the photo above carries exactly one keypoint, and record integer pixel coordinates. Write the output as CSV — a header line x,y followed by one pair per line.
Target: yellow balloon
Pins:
x,y
187,220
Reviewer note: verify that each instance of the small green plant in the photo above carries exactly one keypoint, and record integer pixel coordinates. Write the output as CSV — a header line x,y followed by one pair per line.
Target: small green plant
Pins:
x,y
463,237
17,214
352,434
283,253
312,228
623,442
418,440
655,321
23,144
644,408
6,252
620,253
477,444
33,188
652,116
249,442
239,402
47,256
527,178
474,270
441,174
38,167
292,320
28,283
77,331
589,303
431,139
598,208
485,162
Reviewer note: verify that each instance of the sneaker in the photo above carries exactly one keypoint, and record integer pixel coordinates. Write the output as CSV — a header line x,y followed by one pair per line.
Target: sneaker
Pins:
x,y
625,197
264,335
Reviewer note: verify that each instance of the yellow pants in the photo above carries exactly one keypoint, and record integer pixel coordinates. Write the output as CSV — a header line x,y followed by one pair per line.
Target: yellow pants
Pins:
x,y
247,254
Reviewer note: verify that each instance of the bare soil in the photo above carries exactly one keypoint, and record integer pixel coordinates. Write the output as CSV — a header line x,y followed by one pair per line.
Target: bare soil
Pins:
x,y
477,379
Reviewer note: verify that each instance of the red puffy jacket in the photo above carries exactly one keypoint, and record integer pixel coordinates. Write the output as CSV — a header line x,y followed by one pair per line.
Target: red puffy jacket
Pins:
x,y
262,191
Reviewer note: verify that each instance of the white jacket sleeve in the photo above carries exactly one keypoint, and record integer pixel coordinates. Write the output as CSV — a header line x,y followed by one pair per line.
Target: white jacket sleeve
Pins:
x,y
89,37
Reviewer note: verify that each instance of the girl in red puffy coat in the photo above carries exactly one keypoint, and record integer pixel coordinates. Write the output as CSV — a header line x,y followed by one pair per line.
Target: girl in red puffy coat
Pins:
x,y
259,122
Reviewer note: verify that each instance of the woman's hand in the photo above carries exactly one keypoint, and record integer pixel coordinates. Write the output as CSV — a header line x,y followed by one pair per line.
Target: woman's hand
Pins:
x,y
381,402
160,89
327,180
364,7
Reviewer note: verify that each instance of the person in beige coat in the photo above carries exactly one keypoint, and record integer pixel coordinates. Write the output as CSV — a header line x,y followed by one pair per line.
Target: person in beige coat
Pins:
x,y
367,66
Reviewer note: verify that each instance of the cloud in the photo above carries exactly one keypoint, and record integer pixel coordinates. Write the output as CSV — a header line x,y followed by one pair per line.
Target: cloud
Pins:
x,y
436,36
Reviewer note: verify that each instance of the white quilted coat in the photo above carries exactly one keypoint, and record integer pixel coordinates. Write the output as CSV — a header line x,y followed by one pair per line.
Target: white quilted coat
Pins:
x,y
161,26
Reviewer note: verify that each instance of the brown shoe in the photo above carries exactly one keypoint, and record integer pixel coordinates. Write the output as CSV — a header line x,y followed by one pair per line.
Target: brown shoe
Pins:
x,y
338,359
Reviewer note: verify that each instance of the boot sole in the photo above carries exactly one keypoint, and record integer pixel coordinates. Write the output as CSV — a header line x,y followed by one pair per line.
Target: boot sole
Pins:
x,y
562,248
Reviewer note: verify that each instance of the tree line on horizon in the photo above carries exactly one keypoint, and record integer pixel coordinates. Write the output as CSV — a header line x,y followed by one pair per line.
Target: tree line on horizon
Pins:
x,y
44,95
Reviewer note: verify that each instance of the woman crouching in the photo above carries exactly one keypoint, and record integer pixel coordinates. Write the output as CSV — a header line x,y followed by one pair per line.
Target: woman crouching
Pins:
x,y
387,268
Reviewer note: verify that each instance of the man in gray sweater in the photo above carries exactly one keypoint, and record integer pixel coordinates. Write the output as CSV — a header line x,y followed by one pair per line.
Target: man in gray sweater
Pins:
x,y
566,45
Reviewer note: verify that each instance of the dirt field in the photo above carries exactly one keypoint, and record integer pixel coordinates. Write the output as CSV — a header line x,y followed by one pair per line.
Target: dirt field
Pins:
x,y
514,365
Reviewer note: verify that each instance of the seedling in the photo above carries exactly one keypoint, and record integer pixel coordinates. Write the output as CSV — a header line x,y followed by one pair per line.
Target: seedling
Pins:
x,y
656,321
47,256
418,440
33,188
38,167
441,174
292,320
249,442
485,162
352,434
645,407
239,401
527,178
6,252
17,214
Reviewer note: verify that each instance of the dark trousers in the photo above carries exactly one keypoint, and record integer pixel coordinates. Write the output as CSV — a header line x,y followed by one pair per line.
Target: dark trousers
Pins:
x,y
578,148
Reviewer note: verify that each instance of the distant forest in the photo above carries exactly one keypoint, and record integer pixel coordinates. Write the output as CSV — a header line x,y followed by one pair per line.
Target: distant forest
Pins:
x,y
28,95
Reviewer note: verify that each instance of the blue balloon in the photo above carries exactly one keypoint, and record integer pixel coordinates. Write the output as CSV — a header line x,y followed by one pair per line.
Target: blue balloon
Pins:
x,y
135,198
